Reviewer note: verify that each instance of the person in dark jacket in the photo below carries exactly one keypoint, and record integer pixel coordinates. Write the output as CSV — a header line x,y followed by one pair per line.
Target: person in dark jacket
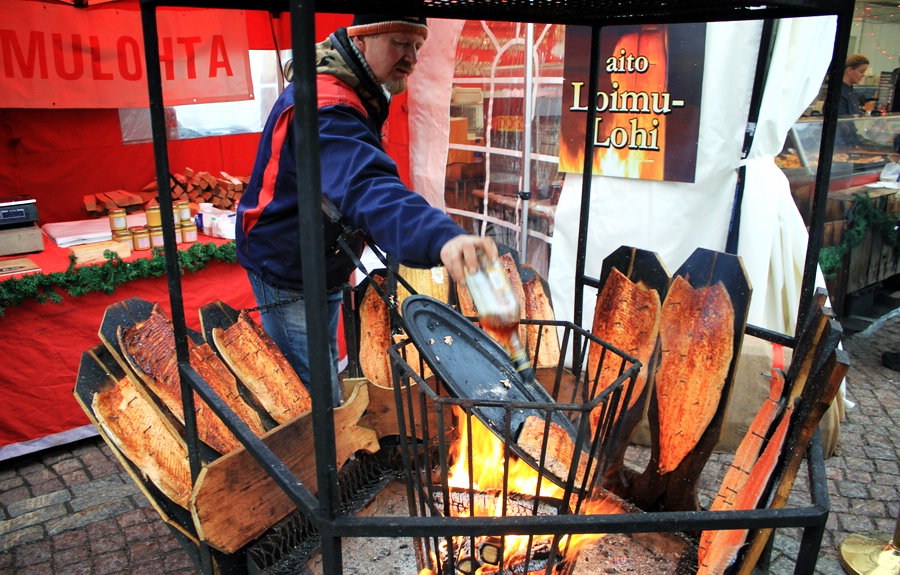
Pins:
x,y
848,105
358,69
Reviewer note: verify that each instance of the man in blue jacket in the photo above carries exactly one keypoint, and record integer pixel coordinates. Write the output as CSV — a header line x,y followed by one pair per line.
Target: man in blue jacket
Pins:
x,y
358,69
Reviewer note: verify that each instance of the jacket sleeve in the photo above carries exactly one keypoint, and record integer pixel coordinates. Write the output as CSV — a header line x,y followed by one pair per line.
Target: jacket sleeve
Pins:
x,y
363,182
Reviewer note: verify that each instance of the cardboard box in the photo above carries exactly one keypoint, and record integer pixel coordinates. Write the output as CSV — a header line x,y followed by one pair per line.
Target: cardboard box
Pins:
x,y
21,240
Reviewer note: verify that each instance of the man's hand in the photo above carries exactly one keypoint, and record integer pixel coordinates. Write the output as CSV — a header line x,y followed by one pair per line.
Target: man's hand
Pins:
x,y
461,254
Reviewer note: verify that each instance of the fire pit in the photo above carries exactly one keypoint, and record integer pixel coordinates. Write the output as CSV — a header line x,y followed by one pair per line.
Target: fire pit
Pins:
x,y
484,456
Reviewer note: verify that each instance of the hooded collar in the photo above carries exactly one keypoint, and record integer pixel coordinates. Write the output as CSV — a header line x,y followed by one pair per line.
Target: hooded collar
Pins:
x,y
338,57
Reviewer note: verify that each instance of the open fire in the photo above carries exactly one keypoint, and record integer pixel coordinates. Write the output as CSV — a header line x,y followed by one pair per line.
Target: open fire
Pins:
x,y
480,485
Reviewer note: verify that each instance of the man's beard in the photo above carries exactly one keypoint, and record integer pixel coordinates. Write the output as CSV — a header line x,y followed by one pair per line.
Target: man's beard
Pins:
x,y
395,87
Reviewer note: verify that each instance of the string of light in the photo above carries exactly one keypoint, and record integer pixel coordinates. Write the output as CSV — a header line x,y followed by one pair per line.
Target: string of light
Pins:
x,y
870,21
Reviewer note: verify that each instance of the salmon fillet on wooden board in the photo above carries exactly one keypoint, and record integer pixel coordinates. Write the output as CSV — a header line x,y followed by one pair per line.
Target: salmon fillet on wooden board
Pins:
x,y
138,430
626,315
149,347
538,307
515,280
375,336
696,333
262,368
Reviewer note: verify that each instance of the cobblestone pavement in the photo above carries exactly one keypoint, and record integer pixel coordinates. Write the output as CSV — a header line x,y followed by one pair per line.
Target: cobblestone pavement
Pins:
x,y
73,510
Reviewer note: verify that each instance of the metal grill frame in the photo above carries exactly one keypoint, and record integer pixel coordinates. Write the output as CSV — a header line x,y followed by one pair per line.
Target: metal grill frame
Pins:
x,y
323,507
427,455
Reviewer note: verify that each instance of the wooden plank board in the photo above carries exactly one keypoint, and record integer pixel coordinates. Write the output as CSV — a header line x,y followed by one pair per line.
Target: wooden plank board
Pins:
x,y
235,500
646,270
97,372
677,490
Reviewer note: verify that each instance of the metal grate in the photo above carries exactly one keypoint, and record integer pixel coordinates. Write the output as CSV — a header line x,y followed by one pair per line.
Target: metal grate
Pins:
x,y
565,443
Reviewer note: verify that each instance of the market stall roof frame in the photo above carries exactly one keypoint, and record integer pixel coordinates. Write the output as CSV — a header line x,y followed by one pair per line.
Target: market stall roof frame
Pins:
x,y
573,12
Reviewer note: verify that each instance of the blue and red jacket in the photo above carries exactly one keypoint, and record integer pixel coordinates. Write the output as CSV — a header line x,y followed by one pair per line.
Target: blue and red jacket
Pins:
x,y
357,176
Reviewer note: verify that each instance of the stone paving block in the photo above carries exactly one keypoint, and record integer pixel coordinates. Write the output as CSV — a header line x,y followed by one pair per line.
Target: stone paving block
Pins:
x,y
38,517
113,563
34,503
91,515
96,496
14,539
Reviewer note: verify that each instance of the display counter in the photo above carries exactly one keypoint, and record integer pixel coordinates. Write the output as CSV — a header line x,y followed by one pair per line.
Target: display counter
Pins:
x,y
41,345
854,169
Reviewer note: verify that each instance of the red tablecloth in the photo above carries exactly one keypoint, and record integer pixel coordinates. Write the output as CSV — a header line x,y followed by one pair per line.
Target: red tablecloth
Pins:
x,y
41,346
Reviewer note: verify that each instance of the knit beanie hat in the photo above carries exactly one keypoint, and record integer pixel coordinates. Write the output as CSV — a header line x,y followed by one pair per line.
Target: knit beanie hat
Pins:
x,y
365,25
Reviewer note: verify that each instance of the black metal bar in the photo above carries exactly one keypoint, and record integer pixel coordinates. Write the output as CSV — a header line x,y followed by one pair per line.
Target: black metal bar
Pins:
x,y
657,522
312,253
574,12
811,540
587,176
823,171
173,272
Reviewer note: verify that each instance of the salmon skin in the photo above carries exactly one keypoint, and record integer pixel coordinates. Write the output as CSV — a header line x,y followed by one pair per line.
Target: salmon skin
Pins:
x,y
697,345
149,347
138,430
262,368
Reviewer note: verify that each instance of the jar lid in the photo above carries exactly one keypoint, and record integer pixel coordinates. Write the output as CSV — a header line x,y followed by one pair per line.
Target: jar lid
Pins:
x,y
117,211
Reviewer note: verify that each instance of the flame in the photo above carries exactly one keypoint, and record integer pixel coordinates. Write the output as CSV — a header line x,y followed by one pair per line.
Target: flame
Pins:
x,y
486,467
623,164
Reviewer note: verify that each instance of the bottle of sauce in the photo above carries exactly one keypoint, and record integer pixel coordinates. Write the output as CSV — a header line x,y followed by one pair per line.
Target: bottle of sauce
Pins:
x,y
498,309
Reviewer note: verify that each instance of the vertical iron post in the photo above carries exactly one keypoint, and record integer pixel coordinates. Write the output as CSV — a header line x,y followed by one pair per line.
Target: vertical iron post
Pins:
x,y
312,252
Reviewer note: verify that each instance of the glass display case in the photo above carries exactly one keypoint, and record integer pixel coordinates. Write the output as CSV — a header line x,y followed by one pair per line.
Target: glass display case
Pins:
x,y
874,137
852,258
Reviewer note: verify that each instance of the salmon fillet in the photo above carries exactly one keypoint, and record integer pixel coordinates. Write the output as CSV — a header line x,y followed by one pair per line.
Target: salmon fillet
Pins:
x,y
262,368
149,347
515,280
537,306
626,315
559,452
697,339
137,429
375,336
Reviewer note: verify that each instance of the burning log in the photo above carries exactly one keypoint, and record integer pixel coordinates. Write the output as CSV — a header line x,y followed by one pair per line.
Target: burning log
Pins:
x,y
490,502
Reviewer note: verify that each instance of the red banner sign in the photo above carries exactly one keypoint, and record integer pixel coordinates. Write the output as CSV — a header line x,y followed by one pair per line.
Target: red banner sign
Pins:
x,y
56,56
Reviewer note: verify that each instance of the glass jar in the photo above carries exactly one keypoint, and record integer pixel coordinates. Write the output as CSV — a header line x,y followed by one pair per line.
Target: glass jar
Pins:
x,y
118,219
154,219
156,237
188,232
140,237
122,236
183,211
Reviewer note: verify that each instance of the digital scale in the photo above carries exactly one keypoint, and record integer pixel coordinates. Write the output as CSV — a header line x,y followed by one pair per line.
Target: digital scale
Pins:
x,y
19,232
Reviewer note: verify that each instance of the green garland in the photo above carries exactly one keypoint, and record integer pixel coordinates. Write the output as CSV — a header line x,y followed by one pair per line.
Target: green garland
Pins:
x,y
863,215
108,276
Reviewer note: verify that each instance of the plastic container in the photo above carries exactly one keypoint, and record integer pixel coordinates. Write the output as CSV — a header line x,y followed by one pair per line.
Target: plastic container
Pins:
x,y
118,219
498,308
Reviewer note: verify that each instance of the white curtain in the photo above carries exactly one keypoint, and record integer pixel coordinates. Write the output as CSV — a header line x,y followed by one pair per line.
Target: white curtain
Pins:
x,y
673,219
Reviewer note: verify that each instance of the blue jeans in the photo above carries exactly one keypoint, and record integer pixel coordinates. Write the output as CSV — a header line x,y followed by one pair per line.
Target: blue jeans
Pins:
x,y
286,325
